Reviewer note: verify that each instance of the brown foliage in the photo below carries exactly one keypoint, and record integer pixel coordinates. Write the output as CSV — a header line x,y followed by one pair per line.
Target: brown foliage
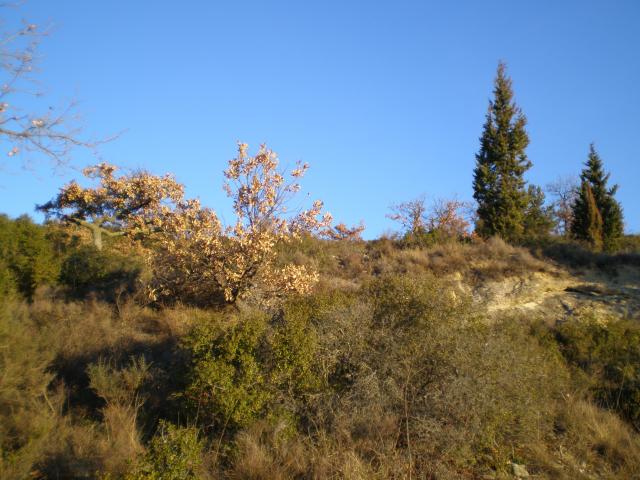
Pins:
x,y
124,205
195,258
342,232
411,215
448,218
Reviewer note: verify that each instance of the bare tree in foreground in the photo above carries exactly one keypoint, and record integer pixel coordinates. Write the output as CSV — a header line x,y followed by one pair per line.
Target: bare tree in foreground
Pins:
x,y
28,123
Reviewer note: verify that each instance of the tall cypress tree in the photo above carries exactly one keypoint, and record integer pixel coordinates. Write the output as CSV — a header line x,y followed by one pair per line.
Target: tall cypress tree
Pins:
x,y
498,184
609,210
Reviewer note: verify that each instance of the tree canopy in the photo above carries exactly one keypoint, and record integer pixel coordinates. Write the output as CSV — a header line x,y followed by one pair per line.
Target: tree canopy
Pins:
x,y
499,185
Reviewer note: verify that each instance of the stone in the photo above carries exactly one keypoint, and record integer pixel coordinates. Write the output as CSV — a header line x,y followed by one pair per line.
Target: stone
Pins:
x,y
519,471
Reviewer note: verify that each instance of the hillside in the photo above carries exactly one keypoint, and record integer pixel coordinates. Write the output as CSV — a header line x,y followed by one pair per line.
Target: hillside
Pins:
x,y
451,360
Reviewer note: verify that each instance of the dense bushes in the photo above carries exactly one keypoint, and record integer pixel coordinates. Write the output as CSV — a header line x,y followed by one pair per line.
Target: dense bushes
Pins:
x,y
87,271
174,453
27,257
246,367
385,371
28,408
608,350
34,256
420,385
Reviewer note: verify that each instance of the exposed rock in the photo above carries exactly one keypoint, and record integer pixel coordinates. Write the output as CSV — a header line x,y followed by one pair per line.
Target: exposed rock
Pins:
x,y
519,471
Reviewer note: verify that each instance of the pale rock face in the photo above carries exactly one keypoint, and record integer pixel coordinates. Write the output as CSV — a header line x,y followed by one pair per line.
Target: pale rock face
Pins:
x,y
519,471
561,295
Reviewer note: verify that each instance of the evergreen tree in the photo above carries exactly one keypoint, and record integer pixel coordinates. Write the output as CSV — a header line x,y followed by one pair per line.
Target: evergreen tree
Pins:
x,y
608,209
587,221
538,219
499,185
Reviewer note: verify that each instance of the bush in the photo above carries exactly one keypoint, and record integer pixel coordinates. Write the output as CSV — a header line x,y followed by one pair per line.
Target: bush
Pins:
x,y
227,386
7,280
250,366
28,410
608,350
27,258
105,274
420,384
174,453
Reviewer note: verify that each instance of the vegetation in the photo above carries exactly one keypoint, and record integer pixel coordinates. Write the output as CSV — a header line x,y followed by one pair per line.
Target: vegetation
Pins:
x,y
505,207
141,338
597,216
384,370
126,205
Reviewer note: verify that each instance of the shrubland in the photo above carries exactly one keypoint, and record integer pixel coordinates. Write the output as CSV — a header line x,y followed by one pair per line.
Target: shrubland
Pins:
x,y
141,338
380,371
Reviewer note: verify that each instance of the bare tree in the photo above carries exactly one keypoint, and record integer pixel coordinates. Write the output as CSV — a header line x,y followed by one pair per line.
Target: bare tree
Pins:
x,y
42,129
447,217
450,217
563,191
412,215
343,232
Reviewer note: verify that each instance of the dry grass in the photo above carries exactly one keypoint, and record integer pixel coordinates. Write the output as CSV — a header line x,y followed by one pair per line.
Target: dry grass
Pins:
x,y
407,381
345,265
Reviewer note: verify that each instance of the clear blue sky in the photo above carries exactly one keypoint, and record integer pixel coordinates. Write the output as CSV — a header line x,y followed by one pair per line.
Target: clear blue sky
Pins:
x,y
384,99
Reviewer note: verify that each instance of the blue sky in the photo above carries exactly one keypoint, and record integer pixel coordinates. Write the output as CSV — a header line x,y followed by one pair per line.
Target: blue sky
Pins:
x,y
385,100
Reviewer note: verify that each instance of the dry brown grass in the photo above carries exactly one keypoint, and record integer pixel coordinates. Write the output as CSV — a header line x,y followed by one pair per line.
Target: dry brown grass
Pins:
x,y
345,265
410,381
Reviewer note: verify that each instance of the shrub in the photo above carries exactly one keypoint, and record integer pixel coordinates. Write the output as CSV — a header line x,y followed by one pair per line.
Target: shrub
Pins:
x,y
27,258
227,386
174,453
7,281
105,274
250,367
419,383
28,410
608,350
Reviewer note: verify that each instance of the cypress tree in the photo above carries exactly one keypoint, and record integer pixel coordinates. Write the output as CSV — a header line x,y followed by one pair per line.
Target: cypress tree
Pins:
x,y
498,184
609,210
587,218
538,219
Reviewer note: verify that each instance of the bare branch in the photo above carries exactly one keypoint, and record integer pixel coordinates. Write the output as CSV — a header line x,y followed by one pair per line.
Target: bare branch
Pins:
x,y
43,132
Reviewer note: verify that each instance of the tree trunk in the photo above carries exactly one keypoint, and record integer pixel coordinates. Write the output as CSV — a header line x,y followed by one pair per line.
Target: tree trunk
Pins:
x,y
96,234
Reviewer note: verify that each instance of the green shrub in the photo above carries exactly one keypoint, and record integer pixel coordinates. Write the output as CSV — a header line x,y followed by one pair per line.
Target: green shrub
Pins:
x,y
608,350
27,408
106,274
174,453
227,385
292,347
7,280
251,367
27,258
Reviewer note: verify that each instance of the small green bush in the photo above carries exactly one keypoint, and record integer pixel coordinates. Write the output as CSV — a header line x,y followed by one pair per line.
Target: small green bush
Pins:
x,y
174,453
251,367
227,385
